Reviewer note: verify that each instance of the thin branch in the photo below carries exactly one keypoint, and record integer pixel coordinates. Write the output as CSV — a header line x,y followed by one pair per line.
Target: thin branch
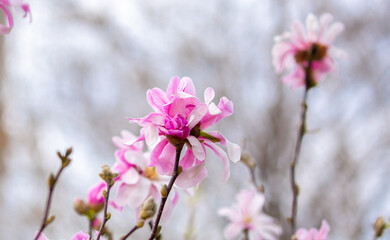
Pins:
x,y
105,218
52,183
175,174
301,133
129,233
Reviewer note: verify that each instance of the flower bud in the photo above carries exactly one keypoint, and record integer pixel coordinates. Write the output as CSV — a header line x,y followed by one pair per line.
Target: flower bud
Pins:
x,y
50,219
140,223
107,175
148,209
379,227
50,180
80,207
164,191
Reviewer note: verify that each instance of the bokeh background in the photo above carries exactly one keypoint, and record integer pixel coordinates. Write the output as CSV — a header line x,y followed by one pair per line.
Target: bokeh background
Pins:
x,y
72,76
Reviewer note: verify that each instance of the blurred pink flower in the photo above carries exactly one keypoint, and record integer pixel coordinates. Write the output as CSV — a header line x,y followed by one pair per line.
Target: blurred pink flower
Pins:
x,y
78,236
247,215
313,234
137,181
292,48
18,5
179,116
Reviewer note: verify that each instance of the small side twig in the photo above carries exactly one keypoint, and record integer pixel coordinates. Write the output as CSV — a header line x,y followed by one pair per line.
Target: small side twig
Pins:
x,y
65,161
175,174
108,176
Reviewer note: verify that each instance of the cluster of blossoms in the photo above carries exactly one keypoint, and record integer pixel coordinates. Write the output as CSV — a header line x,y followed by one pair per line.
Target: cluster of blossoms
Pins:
x,y
247,215
5,5
295,49
178,124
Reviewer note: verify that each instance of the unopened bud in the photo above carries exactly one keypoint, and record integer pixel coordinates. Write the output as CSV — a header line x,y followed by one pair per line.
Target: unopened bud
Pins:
x,y
247,159
65,162
50,180
108,216
107,175
158,230
164,191
140,223
80,207
148,209
68,152
104,193
180,169
50,219
158,237
379,226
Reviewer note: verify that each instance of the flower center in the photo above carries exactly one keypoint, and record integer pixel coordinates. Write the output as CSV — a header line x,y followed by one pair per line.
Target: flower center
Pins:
x,y
316,52
247,220
151,173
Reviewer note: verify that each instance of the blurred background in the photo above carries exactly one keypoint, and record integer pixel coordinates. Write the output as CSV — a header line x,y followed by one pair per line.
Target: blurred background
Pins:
x,y
72,76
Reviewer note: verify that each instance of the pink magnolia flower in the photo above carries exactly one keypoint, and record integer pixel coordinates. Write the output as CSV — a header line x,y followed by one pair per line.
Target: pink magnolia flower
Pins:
x,y
179,116
313,234
247,215
18,5
137,181
78,236
292,49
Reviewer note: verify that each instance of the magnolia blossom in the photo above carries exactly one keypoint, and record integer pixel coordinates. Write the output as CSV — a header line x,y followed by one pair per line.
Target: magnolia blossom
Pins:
x,y
78,236
247,215
179,117
5,5
313,234
293,49
137,181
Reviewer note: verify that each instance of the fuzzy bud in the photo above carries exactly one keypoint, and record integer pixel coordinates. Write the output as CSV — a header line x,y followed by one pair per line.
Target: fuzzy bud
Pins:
x,y
51,180
247,159
379,227
80,207
107,175
148,209
164,191
140,223
50,219
108,216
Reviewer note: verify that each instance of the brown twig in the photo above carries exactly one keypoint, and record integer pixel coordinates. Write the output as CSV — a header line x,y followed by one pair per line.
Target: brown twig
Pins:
x,y
175,174
301,133
52,183
105,218
129,233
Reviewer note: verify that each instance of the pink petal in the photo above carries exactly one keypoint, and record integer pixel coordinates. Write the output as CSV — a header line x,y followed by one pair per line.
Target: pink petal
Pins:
x,y
197,148
187,160
209,95
222,155
151,135
156,99
334,30
312,28
80,236
41,236
234,151
173,86
131,176
6,29
191,176
166,160
157,151
232,230
187,86
296,78
134,195
196,115
280,52
324,230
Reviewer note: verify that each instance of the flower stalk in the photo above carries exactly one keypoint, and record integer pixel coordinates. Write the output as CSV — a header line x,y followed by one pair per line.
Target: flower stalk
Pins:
x,y
309,83
175,174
